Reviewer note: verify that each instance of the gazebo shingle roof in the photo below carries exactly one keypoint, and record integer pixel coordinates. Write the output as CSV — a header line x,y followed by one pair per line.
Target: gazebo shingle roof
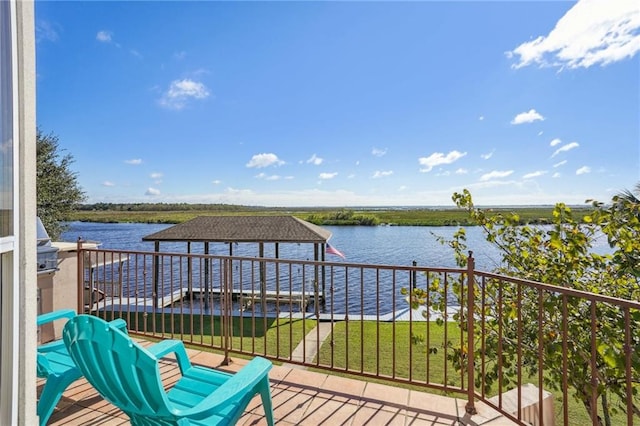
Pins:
x,y
243,229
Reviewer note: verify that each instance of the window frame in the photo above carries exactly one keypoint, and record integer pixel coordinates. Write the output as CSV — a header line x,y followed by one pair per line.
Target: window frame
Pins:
x,y
9,244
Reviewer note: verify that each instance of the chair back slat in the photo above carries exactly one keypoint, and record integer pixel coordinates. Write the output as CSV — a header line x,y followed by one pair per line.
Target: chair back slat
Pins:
x,y
121,370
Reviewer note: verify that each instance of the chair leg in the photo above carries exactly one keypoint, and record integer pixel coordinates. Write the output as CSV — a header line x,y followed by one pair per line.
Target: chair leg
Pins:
x,y
265,395
50,396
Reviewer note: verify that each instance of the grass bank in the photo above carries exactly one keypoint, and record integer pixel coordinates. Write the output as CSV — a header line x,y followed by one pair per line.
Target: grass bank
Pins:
x,y
319,216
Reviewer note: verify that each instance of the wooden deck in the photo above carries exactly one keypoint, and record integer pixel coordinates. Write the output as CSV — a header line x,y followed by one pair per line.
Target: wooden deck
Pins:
x,y
300,397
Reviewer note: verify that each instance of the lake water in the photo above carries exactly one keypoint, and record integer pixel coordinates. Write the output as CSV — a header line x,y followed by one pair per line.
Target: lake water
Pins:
x,y
386,245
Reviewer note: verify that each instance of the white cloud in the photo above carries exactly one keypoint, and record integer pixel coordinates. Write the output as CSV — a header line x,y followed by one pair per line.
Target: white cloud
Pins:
x,y
155,175
268,177
315,160
561,163
583,170
461,171
378,152
402,188
152,192
46,31
540,133
564,148
216,182
527,117
264,160
104,36
108,183
265,176
325,176
592,32
134,161
380,174
496,175
178,56
535,174
556,175
181,91
481,118
438,158
487,155
555,142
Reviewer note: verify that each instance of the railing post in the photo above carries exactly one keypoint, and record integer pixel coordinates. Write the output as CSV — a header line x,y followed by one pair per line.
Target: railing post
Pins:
x,y
226,307
470,407
80,281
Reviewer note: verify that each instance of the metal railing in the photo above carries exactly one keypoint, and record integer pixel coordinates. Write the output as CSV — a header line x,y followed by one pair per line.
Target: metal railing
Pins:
x,y
471,332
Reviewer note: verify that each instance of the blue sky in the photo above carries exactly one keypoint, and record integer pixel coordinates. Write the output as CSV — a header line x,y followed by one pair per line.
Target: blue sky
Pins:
x,y
343,103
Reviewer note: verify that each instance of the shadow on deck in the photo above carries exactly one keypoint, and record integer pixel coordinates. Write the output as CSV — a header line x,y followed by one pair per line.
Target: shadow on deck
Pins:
x,y
300,397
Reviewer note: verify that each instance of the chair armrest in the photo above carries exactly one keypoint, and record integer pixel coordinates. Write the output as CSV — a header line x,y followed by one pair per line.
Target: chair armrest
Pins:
x,y
120,324
165,347
240,383
55,315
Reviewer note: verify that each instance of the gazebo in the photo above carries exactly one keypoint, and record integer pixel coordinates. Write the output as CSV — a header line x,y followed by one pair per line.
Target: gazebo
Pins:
x,y
244,229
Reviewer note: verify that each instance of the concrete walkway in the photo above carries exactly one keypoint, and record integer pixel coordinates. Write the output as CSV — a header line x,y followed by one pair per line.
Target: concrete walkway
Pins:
x,y
307,349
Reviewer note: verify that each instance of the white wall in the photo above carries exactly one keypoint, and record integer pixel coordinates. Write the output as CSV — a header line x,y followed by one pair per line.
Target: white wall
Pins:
x,y
27,192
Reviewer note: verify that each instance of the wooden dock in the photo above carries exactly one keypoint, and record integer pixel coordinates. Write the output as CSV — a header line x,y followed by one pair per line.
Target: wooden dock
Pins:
x,y
248,299
103,303
99,301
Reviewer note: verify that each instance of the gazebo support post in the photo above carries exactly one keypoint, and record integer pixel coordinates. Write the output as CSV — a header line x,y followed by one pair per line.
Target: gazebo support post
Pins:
x,y
206,277
263,279
189,271
156,273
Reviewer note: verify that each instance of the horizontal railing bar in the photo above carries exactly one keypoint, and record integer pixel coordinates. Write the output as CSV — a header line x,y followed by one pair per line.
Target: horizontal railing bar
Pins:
x,y
286,261
563,290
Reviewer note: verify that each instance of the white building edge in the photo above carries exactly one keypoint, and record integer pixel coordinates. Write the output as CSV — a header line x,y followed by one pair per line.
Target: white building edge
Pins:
x,y
18,276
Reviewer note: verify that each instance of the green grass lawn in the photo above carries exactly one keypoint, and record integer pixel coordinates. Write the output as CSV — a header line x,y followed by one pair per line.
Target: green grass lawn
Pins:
x,y
393,354
260,336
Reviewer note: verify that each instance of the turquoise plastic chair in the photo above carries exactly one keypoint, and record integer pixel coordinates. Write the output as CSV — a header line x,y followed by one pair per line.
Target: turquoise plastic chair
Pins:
x,y
55,364
128,376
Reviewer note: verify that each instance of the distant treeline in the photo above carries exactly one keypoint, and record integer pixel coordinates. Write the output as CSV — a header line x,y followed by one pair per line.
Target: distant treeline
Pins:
x,y
163,207
182,212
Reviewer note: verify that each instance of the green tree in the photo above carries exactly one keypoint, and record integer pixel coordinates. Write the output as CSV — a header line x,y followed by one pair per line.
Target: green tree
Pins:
x,y
560,254
632,196
57,189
